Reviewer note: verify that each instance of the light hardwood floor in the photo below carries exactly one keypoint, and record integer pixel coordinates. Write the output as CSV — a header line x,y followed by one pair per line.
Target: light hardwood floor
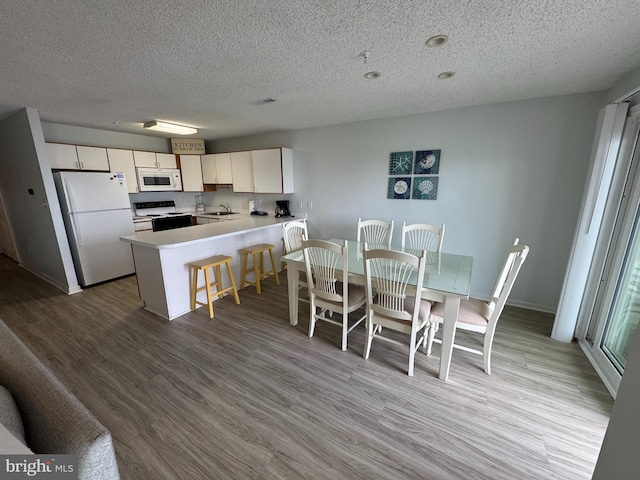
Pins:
x,y
247,396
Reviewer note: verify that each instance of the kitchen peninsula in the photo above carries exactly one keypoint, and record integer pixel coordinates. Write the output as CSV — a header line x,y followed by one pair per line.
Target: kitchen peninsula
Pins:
x,y
161,258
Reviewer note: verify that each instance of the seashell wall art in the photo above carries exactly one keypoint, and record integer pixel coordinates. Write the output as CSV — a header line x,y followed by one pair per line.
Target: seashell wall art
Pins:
x,y
423,168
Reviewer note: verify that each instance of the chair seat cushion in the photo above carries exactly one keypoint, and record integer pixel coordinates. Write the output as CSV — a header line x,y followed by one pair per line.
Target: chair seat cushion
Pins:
x,y
470,312
425,307
357,295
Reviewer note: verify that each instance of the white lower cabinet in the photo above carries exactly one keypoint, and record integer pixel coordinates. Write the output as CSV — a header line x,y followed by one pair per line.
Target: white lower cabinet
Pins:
x,y
122,161
191,170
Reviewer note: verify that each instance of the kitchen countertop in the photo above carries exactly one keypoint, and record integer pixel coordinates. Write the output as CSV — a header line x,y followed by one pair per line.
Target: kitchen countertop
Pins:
x,y
180,237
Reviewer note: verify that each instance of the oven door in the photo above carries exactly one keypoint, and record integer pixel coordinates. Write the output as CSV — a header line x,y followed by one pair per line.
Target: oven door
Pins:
x,y
159,179
170,222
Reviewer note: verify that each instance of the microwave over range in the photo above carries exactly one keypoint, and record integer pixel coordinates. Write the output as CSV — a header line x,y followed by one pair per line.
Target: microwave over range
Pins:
x,y
159,179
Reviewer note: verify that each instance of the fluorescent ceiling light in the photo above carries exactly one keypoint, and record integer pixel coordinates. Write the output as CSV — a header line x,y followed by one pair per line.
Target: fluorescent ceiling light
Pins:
x,y
170,128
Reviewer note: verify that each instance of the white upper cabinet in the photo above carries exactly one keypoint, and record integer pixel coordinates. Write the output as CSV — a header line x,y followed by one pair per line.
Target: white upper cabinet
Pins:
x,y
270,169
242,172
154,160
191,170
93,158
72,157
63,156
145,159
122,161
216,168
166,160
263,171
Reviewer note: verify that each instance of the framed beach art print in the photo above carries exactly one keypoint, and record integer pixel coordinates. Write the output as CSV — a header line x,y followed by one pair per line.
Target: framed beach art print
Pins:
x,y
413,176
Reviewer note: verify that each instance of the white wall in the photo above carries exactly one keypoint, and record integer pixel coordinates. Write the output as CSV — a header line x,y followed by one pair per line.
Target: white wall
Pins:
x,y
7,245
629,83
507,170
58,133
35,219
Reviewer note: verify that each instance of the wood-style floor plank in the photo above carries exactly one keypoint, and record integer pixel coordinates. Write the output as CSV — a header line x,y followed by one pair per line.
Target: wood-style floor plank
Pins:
x,y
246,395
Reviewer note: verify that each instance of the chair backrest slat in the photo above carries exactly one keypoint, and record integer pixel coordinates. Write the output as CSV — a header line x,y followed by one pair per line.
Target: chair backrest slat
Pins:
x,y
293,234
375,232
422,236
324,261
389,273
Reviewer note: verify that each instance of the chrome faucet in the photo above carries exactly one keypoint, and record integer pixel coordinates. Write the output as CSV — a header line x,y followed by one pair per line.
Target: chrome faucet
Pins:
x,y
226,205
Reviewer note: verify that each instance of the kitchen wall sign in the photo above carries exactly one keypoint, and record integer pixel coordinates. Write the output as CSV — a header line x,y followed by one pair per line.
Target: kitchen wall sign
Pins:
x,y
193,146
425,163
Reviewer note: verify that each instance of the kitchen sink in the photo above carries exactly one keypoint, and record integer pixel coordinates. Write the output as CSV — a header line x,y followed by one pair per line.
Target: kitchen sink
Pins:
x,y
220,214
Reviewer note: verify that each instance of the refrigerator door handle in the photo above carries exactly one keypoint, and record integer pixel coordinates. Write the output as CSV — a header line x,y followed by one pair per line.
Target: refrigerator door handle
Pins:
x,y
69,195
76,230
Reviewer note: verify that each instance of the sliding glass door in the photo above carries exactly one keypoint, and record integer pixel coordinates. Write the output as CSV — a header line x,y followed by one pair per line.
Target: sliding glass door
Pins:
x,y
624,313
611,309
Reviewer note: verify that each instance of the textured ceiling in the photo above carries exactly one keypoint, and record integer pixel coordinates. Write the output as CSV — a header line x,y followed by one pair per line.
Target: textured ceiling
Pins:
x,y
205,63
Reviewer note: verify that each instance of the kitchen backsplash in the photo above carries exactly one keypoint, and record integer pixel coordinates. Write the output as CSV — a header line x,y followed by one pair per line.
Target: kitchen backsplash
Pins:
x,y
212,200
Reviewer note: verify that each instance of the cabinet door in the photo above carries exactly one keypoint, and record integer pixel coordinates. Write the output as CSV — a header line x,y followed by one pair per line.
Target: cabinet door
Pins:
x,y
166,160
122,161
93,158
145,159
287,170
223,167
63,156
209,170
191,170
242,171
216,168
267,170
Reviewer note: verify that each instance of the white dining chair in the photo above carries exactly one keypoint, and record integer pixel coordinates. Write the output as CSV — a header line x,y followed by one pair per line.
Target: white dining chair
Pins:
x,y
375,232
293,233
325,263
387,275
479,316
422,236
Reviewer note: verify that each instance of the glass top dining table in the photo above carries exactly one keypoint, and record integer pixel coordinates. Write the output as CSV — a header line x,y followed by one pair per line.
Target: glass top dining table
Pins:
x,y
447,279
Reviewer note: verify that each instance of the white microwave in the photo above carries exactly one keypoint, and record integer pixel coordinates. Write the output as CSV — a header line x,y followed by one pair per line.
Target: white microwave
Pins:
x,y
159,179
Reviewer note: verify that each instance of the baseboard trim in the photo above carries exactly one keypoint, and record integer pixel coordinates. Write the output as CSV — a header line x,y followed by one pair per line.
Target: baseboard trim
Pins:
x,y
69,290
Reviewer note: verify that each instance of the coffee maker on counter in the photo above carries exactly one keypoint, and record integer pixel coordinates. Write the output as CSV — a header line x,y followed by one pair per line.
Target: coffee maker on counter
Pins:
x,y
282,209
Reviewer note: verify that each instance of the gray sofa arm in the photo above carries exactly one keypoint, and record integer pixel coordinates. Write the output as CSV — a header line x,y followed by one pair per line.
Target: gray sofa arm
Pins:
x,y
54,419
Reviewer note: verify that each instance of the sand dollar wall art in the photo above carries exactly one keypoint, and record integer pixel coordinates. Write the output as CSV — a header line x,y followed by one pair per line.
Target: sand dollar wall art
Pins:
x,y
414,176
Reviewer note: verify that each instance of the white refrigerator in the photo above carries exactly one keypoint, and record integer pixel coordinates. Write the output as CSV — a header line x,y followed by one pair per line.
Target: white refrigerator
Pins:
x,y
97,212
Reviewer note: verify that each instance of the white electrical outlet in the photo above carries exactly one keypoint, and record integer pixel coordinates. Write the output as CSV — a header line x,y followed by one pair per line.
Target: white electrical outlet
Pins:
x,y
300,204
310,205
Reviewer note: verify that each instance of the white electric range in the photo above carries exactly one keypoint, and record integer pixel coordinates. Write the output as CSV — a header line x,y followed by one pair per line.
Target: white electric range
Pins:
x,y
157,216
